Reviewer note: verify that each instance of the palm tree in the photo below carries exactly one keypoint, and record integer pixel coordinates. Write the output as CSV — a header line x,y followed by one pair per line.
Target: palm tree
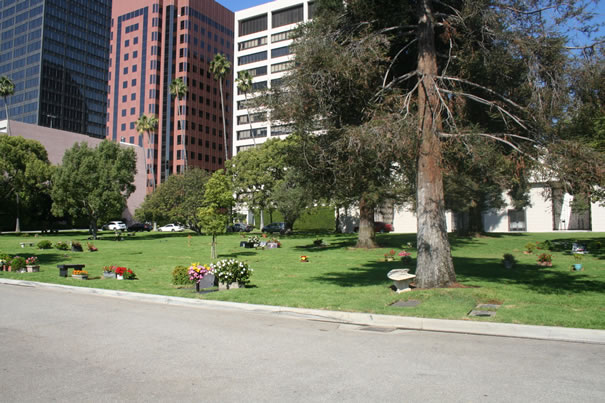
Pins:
x,y
219,67
178,89
244,84
148,124
7,88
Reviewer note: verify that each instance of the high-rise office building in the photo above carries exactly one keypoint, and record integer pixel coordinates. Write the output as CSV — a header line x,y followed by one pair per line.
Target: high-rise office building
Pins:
x,y
56,52
262,48
154,42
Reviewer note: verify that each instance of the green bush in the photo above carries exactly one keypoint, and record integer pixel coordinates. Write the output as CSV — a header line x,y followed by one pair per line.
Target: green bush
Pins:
x,y
46,244
62,245
180,276
17,263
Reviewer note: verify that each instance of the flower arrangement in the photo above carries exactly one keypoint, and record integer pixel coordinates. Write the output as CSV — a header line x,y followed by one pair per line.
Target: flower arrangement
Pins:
x,y
79,273
32,260
126,274
109,269
389,257
231,271
304,259
406,257
45,244
545,259
529,248
276,241
76,246
578,257
255,240
91,247
197,271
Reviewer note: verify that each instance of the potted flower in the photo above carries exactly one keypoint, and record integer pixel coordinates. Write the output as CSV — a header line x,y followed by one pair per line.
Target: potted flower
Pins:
x,y
389,257
4,262
406,257
231,273
18,264
529,248
76,246
32,264
274,243
253,242
304,259
91,247
508,260
80,274
203,275
545,259
122,273
578,258
109,271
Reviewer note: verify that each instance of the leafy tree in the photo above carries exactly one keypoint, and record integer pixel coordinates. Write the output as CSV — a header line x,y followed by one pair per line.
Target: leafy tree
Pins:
x,y
291,198
177,200
94,182
7,88
24,172
244,84
148,124
178,89
218,201
453,73
219,67
255,173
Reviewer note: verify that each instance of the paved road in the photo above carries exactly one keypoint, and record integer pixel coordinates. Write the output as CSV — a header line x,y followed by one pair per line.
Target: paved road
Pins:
x,y
59,346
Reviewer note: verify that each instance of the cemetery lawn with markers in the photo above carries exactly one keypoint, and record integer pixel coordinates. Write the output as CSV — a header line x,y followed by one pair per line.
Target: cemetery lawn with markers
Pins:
x,y
339,277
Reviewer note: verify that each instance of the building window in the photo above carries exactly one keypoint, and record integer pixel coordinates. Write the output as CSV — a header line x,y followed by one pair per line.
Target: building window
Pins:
x,y
287,16
256,133
259,71
282,36
252,43
276,68
254,57
279,52
517,220
252,25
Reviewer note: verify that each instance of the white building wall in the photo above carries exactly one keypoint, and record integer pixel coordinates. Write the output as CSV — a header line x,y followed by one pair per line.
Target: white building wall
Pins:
x,y
598,217
267,9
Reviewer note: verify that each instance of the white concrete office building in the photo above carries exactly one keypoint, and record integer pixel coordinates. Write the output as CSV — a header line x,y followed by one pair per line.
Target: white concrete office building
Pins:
x,y
262,39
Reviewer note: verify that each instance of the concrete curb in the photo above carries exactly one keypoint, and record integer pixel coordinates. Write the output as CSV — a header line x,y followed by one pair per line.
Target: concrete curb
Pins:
x,y
356,318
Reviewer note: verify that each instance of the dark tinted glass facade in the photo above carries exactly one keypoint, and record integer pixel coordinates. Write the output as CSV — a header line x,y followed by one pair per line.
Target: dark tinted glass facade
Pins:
x,y
57,54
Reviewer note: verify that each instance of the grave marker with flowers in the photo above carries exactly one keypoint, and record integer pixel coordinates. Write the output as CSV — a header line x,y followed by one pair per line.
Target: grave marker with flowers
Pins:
x,y
231,273
31,263
202,275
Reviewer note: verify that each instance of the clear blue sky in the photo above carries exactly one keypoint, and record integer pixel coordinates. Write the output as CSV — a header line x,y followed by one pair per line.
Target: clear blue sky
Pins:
x,y
236,5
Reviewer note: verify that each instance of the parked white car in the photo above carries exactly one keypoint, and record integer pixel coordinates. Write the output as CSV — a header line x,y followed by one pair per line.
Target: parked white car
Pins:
x,y
116,226
171,228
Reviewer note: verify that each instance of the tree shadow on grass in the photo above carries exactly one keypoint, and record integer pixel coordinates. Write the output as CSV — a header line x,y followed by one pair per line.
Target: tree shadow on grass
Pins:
x,y
237,254
539,279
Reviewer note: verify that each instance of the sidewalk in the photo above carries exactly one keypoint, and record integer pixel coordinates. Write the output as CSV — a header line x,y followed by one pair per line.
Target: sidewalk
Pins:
x,y
354,318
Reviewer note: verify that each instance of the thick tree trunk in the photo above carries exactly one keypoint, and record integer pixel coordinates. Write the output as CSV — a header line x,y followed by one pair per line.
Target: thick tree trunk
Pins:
x,y
435,267
475,219
367,236
93,228
17,223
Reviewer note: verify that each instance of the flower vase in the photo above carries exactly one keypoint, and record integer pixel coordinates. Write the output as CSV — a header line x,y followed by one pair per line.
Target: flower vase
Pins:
x,y
31,268
119,277
109,274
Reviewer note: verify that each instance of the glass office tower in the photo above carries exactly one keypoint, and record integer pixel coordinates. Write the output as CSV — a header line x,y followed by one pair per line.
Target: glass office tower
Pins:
x,y
57,54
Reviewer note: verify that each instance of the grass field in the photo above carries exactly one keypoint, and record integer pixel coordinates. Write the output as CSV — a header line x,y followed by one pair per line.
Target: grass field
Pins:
x,y
339,277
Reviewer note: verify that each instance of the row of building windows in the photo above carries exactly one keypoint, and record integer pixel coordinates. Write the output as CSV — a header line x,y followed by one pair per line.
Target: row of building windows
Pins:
x,y
279,18
260,56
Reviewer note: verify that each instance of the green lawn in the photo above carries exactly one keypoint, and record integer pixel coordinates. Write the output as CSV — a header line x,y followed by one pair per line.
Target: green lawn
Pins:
x,y
339,277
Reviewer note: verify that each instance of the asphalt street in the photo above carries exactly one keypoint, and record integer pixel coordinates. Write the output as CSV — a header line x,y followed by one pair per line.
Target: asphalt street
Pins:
x,y
62,346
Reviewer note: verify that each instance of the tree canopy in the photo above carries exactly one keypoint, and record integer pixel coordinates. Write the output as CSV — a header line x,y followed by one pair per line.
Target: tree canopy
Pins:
x,y
217,203
177,200
94,182
24,175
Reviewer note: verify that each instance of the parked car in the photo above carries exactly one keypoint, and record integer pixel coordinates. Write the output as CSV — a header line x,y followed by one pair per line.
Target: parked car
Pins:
x,y
139,226
240,227
379,226
280,227
171,228
116,226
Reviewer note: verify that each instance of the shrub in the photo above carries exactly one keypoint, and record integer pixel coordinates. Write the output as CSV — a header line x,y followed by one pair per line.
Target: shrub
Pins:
x,y
230,271
45,244
17,263
530,246
548,245
61,245
180,276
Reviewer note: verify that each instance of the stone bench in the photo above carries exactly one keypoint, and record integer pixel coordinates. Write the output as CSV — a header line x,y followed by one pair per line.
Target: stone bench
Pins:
x,y
64,267
401,279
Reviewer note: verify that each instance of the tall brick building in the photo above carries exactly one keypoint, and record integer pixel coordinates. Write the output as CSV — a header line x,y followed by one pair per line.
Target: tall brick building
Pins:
x,y
152,43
